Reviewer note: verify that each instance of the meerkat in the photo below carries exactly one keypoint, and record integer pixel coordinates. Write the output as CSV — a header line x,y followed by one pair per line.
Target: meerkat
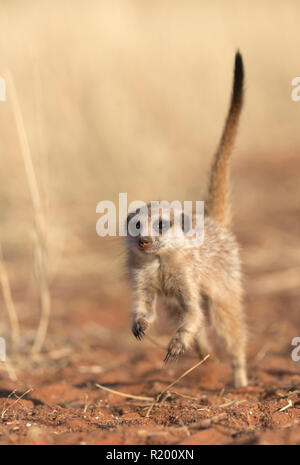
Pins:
x,y
200,285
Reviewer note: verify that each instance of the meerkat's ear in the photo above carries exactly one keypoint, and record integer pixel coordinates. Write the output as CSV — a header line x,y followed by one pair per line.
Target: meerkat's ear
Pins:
x,y
186,223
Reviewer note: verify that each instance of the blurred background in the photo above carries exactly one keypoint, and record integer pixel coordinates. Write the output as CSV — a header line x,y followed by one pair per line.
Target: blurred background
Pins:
x,y
130,96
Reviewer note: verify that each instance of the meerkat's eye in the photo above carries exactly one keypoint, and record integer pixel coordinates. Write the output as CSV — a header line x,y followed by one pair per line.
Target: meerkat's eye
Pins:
x,y
161,225
138,225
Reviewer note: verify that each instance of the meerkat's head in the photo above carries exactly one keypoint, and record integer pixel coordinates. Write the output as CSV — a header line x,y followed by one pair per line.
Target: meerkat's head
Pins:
x,y
156,227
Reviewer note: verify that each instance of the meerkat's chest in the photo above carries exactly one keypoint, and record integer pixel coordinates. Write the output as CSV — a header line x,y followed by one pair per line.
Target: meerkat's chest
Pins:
x,y
168,278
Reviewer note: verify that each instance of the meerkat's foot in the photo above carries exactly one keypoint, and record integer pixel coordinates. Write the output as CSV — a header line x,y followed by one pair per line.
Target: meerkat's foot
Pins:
x,y
240,377
175,350
139,327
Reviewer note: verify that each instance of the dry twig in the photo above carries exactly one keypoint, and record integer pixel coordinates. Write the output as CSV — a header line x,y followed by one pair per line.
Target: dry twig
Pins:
x,y
123,394
161,396
158,397
17,400
40,226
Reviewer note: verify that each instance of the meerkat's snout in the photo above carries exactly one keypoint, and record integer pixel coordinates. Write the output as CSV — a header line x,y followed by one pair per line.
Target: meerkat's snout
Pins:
x,y
145,242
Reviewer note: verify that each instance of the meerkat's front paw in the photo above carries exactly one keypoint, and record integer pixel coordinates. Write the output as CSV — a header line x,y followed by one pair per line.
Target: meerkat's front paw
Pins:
x,y
139,327
175,350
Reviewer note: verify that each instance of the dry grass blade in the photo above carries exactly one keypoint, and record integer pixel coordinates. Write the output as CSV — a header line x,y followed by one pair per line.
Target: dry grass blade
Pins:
x,y
41,248
9,303
86,403
16,401
230,403
288,405
158,397
8,397
185,396
124,394
183,375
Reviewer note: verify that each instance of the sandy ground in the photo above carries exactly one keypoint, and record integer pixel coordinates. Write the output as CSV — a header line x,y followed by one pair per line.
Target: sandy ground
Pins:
x,y
66,407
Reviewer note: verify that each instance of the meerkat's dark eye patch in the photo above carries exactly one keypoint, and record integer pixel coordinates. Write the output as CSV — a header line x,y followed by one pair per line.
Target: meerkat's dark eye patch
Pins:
x,y
161,225
133,224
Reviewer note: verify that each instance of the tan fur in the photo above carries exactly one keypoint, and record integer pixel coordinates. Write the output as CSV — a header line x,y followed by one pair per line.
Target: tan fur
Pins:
x,y
217,204
200,285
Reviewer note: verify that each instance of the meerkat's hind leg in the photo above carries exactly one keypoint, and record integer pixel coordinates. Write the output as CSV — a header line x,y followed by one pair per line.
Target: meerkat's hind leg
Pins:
x,y
229,324
174,310
201,342
190,319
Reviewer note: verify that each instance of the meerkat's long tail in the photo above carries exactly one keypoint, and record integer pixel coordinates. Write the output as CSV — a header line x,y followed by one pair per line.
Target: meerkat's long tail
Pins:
x,y
217,203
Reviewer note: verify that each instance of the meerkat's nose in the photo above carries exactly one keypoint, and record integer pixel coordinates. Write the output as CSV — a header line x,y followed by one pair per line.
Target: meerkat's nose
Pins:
x,y
145,241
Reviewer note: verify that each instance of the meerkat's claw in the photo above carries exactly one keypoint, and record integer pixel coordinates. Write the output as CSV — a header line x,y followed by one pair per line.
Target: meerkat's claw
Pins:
x,y
175,351
139,327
